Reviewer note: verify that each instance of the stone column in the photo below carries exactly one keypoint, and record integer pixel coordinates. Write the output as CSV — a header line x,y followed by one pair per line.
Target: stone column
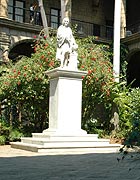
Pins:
x,y
116,51
3,8
65,102
123,18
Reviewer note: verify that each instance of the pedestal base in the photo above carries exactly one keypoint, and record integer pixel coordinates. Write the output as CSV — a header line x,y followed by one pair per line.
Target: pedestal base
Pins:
x,y
64,132
42,142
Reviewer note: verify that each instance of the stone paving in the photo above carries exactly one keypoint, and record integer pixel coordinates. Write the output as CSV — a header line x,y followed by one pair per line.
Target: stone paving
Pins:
x,y
23,165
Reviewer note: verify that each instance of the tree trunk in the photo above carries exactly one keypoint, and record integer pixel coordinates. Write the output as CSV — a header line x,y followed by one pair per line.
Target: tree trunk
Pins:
x,y
11,119
19,114
66,8
44,19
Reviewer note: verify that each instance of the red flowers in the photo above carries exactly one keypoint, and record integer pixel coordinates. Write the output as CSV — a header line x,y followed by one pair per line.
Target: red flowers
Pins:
x,y
82,57
51,64
25,67
42,57
82,66
93,59
18,82
46,45
89,72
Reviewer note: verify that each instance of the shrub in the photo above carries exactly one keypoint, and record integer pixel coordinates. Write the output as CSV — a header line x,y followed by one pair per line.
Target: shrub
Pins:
x,y
97,85
26,87
133,136
128,104
15,135
2,139
4,131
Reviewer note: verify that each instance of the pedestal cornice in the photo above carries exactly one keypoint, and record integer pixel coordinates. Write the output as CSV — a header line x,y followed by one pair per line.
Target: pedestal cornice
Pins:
x,y
62,72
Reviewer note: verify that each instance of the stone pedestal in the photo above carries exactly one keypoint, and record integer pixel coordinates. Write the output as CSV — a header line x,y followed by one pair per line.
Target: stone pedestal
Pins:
x,y
65,102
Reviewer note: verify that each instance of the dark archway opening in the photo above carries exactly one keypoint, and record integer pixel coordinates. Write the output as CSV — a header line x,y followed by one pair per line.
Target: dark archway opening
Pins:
x,y
133,70
24,48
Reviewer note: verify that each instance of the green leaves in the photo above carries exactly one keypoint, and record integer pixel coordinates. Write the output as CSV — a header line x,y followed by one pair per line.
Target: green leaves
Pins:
x,y
97,85
25,84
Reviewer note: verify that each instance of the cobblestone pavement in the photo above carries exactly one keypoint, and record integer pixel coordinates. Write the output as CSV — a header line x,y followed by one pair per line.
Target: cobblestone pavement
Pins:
x,y
23,165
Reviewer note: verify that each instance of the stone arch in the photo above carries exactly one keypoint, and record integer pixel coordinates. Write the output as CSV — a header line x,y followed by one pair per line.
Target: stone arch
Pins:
x,y
133,68
21,48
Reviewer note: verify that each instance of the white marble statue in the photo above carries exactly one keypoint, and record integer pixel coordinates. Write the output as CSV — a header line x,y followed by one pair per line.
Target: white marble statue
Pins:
x,y
66,46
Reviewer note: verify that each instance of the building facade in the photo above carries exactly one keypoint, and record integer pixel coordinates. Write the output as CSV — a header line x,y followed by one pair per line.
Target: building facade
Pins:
x,y
92,17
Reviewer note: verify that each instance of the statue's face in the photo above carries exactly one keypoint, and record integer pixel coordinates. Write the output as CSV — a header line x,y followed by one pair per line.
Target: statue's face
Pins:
x,y
66,22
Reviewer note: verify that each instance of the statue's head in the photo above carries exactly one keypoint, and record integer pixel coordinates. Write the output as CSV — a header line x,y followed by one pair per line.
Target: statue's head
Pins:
x,y
65,21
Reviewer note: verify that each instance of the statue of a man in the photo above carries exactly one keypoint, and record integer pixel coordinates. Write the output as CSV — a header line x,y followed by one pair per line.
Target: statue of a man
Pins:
x,y
66,45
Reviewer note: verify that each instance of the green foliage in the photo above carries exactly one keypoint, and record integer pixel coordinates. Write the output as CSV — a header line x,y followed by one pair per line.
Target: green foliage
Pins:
x,y
123,60
133,137
4,128
2,140
24,89
15,135
97,85
129,114
7,134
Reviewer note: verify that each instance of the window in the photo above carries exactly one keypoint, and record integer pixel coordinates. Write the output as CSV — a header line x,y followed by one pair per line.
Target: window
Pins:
x,y
16,10
10,9
109,29
55,18
96,30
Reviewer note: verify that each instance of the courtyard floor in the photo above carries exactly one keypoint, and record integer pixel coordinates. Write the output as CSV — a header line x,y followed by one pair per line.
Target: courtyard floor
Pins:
x,y
24,165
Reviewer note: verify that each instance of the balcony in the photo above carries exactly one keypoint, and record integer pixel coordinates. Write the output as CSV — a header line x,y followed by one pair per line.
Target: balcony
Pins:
x,y
133,28
90,29
84,29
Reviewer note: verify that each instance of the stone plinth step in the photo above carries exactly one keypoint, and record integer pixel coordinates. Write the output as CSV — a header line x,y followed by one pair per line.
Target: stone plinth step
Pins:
x,y
51,144
87,137
52,138
66,147
41,142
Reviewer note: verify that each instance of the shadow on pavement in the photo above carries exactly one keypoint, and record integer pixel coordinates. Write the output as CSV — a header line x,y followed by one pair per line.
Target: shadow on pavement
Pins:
x,y
69,167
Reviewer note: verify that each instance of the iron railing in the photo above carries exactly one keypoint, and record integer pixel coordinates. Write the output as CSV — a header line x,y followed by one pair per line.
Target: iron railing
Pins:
x,y
22,15
133,28
92,29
